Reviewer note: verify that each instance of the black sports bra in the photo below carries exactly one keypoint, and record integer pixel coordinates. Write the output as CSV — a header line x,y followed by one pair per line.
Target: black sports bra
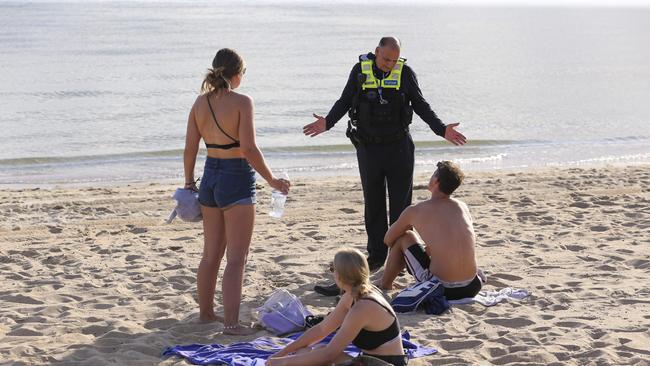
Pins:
x,y
370,340
217,146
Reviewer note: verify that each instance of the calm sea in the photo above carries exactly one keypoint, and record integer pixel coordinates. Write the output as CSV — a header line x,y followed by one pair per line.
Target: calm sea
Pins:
x,y
100,91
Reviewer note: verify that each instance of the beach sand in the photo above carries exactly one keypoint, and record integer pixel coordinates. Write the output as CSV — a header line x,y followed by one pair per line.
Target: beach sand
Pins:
x,y
95,276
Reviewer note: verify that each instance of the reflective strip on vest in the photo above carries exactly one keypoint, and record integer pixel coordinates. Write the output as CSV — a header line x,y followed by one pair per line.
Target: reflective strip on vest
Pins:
x,y
393,81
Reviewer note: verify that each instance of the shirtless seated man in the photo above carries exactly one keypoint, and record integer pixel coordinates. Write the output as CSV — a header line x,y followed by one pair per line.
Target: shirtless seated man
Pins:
x,y
445,226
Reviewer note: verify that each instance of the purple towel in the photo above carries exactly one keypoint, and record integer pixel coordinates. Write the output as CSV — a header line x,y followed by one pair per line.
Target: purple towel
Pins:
x,y
255,352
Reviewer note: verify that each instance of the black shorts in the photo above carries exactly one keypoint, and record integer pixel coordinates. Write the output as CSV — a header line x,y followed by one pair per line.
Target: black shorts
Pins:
x,y
417,264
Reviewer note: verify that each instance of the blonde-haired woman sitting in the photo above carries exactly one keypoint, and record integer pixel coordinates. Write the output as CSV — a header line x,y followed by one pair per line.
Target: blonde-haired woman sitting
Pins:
x,y
363,316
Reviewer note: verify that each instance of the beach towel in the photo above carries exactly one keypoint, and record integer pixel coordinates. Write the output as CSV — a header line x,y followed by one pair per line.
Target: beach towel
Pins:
x,y
427,295
491,298
187,206
255,352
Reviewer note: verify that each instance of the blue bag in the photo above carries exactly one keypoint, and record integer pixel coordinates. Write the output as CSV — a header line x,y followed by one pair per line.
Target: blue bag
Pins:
x,y
429,295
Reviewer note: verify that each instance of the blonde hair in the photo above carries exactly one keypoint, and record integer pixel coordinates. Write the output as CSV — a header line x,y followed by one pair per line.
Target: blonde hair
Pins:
x,y
352,269
226,64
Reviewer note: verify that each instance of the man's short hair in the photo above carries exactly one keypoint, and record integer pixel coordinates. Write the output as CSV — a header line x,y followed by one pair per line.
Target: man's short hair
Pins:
x,y
449,177
390,41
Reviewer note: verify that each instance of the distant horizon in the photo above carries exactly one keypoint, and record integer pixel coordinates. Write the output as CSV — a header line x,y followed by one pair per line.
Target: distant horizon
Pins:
x,y
477,3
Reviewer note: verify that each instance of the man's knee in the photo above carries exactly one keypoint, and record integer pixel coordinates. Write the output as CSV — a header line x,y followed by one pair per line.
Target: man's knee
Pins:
x,y
407,239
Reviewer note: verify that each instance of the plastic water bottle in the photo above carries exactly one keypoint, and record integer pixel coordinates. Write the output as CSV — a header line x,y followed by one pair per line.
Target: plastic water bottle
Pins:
x,y
278,199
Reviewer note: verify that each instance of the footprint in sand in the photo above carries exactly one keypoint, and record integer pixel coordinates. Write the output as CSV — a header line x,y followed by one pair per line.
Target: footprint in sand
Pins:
x,y
456,345
607,268
348,210
506,276
599,228
161,323
580,204
633,301
504,341
97,330
54,229
597,333
526,214
603,202
183,238
572,325
574,248
510,323
588,258
639,263
24,332
312,234
138,230
132,257
571,347
281,258
20,299
573,283
494,242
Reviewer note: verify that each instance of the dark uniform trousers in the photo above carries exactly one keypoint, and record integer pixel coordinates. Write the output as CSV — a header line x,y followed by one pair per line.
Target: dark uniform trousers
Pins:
x,y
380,166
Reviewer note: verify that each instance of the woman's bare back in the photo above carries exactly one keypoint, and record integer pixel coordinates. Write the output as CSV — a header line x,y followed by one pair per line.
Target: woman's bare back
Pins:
x,y
227,108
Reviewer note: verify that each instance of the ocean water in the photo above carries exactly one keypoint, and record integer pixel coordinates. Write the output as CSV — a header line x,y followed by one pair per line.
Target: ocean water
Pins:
x,y
96,92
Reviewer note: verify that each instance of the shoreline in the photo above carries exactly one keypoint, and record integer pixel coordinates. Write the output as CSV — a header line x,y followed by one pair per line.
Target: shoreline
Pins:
x,y
349,173
94,275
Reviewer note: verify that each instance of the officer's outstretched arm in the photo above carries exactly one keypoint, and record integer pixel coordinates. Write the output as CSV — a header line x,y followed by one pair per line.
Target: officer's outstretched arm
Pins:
x,y
315,128
454,136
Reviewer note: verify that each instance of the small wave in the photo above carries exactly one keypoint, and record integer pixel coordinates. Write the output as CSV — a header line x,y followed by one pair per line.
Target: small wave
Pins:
x,y
631,158
463,161
277,151
323,168
65,94
82,159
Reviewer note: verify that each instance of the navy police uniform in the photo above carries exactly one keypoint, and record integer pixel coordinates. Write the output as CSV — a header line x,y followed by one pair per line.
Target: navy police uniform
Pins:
x,y
381,105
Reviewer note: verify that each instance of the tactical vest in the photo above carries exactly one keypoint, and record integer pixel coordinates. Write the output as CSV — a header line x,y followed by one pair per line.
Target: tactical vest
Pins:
x,y
380,112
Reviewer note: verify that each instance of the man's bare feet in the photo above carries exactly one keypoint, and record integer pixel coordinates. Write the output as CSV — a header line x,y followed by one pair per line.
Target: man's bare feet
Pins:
x,y
210,318
239,329
378,284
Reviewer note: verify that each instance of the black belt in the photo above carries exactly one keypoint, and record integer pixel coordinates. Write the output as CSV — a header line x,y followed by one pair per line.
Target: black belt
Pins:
x,y
358,138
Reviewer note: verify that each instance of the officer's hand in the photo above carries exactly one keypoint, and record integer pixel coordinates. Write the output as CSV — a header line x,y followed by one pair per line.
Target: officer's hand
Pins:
x,y
454,136
315,128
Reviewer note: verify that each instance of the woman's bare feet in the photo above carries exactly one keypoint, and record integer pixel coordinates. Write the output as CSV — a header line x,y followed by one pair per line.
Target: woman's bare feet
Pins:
x,y
239,329
210,318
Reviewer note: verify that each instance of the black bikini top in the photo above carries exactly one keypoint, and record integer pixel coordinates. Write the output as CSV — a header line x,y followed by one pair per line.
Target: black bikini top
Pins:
x,y
370,340
217,146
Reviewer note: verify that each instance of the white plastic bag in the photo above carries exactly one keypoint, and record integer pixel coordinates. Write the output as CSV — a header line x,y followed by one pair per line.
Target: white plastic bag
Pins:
x,y
282,313
187,207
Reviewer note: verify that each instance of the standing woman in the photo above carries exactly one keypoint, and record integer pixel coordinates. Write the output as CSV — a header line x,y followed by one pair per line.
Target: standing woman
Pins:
x,y
224,119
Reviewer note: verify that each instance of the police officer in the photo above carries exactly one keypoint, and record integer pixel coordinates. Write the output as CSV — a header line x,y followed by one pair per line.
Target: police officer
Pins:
x,y
380,96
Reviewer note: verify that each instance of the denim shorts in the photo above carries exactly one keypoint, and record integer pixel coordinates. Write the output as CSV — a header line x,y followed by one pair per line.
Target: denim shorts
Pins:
x,y
227,182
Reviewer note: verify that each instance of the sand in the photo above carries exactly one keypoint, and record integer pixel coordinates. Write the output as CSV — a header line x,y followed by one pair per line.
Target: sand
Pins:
x,y
95,276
